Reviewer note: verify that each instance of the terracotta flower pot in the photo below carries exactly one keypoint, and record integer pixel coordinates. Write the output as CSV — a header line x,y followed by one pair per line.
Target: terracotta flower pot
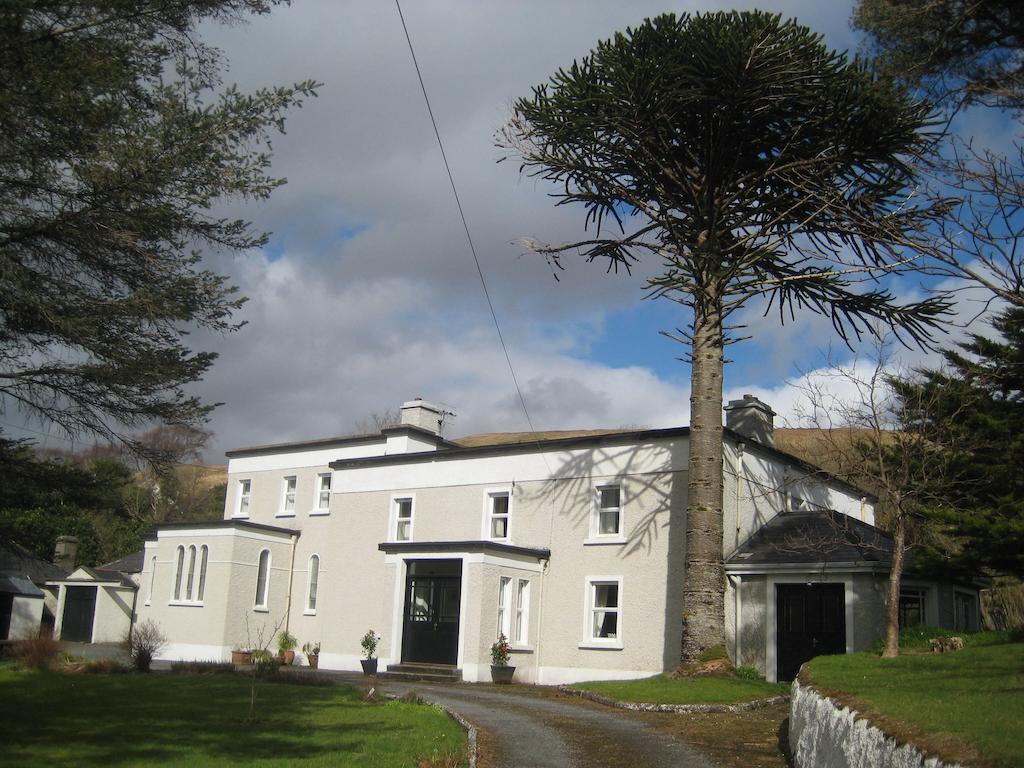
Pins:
x,y
241,657
369,666
286,657
314,660
502,675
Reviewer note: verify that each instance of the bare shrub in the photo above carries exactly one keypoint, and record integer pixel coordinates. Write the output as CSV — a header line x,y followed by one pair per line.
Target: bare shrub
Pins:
x,y
95,667
143,642
36,652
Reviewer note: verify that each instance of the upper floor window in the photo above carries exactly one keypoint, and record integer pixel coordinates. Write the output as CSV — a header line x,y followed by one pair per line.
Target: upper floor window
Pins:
x,y
498,515
244,493
403,518
323,492
288,486
263,579
606,518
311,586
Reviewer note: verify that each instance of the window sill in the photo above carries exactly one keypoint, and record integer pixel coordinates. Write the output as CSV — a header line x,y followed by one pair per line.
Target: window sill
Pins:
x,y
309,613
599,540
239,517
185,604
521,649
599,645
261,609
285,514
319,513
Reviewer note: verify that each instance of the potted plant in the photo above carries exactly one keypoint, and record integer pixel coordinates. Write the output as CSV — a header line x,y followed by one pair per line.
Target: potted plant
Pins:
x,y
501,672
286,643
312,651
241,656
369,643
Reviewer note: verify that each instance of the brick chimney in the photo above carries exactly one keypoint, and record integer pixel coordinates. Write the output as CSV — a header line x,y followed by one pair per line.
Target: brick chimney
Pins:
x,y
420,413
65,553
751,418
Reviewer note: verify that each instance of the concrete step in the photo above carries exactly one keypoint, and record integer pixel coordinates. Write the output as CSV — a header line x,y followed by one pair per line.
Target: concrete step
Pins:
x,y
426,673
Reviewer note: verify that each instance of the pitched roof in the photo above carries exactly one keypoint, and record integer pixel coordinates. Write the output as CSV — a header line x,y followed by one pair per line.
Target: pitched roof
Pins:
x,y
516,438
15,559
128,564
815,537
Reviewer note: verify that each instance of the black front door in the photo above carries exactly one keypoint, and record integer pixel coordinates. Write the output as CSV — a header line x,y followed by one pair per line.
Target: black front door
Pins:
x,y
811,621
431,628
79,609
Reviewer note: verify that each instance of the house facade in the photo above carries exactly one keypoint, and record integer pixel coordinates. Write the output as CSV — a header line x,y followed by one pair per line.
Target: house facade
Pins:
x,y
571,544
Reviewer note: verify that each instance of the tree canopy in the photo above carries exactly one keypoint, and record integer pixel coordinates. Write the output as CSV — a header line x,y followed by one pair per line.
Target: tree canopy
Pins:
x,y
118,143
751,161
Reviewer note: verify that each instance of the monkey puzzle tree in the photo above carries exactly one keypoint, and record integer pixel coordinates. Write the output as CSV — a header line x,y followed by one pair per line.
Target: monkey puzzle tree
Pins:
x,y
753,162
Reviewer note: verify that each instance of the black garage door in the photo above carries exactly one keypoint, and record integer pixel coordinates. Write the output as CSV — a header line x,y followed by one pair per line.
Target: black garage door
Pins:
x,y
811,621
79,609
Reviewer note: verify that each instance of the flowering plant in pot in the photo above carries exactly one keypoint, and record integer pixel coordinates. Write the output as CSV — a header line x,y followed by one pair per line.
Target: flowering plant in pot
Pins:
x,y
501,672
369,643
286,643
312,651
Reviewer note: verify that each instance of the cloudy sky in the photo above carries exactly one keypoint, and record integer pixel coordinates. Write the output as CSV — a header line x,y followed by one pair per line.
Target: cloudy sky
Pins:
x,y
367,294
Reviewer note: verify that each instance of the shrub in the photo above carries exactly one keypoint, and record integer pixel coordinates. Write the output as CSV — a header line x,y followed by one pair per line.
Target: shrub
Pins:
x,y
97,667
499,651
286,641
748,673
143,642
36,652
369,643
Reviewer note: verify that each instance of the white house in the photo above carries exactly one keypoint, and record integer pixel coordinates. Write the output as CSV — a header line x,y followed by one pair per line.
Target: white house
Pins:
x,y
569,543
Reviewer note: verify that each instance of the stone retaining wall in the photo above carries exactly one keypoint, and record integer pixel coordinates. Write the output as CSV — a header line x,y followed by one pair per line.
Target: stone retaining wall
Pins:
x,y
824,735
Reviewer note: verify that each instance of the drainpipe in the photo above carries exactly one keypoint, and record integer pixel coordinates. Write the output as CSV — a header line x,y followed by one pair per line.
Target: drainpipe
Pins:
x,y
737,583
291,578
739,486
540,621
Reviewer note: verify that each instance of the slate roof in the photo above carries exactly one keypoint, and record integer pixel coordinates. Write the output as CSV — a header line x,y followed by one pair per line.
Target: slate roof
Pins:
x,y
15,559
815,537
128,564
18,585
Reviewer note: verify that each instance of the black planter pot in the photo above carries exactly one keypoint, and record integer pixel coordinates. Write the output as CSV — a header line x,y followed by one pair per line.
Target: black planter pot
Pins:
x,y
502,675
369,666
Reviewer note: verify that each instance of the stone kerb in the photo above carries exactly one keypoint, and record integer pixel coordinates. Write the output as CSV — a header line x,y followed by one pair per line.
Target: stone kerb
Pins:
x,y
822,734
638,706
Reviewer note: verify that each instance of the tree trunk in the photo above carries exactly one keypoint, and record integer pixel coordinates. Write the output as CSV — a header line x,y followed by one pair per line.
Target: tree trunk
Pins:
x,y
704,580
892,606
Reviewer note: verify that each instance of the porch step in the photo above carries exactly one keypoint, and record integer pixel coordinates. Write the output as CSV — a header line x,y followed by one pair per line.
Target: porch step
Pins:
x,y
425,673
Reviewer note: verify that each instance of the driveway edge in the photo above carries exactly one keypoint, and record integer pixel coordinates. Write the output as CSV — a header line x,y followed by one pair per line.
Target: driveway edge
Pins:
x,y
638,706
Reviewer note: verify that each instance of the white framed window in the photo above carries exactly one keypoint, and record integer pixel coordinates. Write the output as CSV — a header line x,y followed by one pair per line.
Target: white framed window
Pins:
x,y
497,508
263,580
323,493
402,516
311,583
504,604
288,486
179,572
191,572
521,628
606,519
204,556
603,612
152,579
244,495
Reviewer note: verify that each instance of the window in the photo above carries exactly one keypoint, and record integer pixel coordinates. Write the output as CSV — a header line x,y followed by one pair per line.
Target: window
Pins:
x,y
504,599
178,573
912,611
606,521
244,492
403,519
497,515
191,571
314,577
152,578
604,596
263,579
323,492
521,635
205,550
288,495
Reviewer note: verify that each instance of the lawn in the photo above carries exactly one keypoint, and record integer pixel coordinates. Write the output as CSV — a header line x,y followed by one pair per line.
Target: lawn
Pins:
x,y
689,690
189,720
961,705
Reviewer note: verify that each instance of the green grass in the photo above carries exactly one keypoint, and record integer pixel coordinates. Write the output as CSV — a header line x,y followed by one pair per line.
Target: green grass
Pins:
x,y
974,696
185,720
916,638
690,690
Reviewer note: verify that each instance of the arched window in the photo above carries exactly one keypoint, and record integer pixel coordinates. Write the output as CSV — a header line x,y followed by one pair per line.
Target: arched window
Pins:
x,y
263,579
178,573
205,553
191,571
314,577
